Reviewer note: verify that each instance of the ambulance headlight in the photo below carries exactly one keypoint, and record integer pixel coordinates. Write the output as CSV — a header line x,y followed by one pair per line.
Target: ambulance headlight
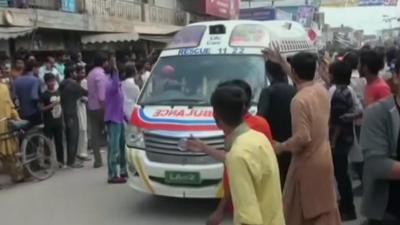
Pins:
x,y
134,137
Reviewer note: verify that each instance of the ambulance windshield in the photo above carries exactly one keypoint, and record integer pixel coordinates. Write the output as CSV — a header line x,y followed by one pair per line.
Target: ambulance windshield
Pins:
x,y
191,80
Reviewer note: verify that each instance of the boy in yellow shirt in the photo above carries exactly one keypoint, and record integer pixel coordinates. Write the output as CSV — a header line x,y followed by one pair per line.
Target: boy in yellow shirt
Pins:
x,y
251,163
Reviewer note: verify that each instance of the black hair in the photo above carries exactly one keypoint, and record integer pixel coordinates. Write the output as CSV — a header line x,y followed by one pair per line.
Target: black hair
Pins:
x,y
99,59
79,68
130,70
341,73
48,77
228,103
397,65
244,86
276,72
373,60
69,70
304,64
351,58
391,55
140,65
29,65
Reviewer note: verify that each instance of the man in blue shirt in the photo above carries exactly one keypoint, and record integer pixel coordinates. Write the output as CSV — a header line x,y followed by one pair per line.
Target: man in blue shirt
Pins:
x,y
27,91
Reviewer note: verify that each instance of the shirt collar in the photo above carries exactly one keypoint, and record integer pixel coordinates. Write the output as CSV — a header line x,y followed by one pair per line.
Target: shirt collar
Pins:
x,y
242,128
305,84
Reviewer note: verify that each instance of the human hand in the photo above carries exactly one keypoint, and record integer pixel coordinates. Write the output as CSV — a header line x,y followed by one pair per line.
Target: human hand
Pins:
x,y
273,54
194,144
215,218
55,103
323,72
278,147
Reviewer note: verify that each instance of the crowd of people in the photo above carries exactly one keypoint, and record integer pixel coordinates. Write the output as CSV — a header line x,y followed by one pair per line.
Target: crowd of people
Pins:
x,y
74,106
338,109
318,113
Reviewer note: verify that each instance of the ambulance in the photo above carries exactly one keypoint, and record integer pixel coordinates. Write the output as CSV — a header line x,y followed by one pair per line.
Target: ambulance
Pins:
x,y
175,105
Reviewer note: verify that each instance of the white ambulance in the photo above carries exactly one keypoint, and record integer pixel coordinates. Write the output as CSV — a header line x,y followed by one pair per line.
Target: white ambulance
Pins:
x,y
174,103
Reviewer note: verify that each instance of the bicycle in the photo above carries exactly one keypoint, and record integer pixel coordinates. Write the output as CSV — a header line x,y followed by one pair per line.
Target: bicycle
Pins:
x,y
36,152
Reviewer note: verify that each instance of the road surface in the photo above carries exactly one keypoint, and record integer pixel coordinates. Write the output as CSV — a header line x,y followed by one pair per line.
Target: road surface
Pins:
x,y
82,197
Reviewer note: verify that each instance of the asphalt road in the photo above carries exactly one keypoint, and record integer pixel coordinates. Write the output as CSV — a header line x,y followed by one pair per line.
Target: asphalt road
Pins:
x,y
82,197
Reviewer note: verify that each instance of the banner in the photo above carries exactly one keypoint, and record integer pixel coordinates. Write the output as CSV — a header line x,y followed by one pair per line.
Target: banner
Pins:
x,y
260,14
227,9
305,15
354,3
339,3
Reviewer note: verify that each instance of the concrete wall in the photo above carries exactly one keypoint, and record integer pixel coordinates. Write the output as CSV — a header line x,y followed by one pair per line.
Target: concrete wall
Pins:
x,y
172,4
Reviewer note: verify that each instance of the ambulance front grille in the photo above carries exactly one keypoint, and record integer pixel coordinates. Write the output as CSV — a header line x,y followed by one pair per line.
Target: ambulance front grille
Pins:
x,y
169,145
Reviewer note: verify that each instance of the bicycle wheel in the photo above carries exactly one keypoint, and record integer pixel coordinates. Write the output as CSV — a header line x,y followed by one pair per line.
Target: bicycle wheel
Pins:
x,y
38,155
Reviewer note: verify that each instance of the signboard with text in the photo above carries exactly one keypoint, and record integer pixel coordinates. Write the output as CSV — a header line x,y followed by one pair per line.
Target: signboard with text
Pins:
x,y
224,9
305,15
260,14
227,9
353,3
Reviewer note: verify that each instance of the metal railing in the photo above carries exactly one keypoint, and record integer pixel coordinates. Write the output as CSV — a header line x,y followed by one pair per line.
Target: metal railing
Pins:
x,y
114,8
162,15
125,9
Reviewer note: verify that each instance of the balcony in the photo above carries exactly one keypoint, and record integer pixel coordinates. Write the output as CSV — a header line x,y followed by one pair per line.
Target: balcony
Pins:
x,y
123,9
160,15
113,8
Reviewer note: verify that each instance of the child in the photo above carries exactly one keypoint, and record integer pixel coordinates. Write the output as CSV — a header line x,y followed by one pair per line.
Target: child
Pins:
x,y
52,115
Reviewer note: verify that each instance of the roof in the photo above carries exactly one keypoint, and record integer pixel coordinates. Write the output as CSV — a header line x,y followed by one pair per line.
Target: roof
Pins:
x,y
109,37
277,28
14,32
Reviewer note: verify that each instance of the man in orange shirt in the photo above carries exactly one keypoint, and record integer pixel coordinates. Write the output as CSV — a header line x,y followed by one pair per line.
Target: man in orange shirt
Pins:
x,y
256,123
371,62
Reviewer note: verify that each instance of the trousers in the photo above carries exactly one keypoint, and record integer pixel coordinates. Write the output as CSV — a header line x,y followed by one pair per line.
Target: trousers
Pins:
x,y
72,134
116,150
55,133
341,165
96,118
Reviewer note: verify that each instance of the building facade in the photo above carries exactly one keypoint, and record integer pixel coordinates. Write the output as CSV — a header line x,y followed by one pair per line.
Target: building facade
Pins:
x,y
44,26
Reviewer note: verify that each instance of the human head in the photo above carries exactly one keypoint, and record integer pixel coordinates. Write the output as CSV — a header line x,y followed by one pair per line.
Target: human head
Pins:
x,y
19,64
351,58
50,80
277,75
371,62
29,66
101,60
304,65
168,71
228,106
70,72
139,66
50,62
31,58
340,72
396,76
35,68
79,56
63,57
244,86
147,66
81,72
130,70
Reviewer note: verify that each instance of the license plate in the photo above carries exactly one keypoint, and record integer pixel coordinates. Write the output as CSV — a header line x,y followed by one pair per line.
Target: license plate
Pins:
x,y
173,177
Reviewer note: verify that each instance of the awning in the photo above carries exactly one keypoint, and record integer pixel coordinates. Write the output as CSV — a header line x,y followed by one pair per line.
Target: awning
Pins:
x,y
151,29
14,32
109,37
156,38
